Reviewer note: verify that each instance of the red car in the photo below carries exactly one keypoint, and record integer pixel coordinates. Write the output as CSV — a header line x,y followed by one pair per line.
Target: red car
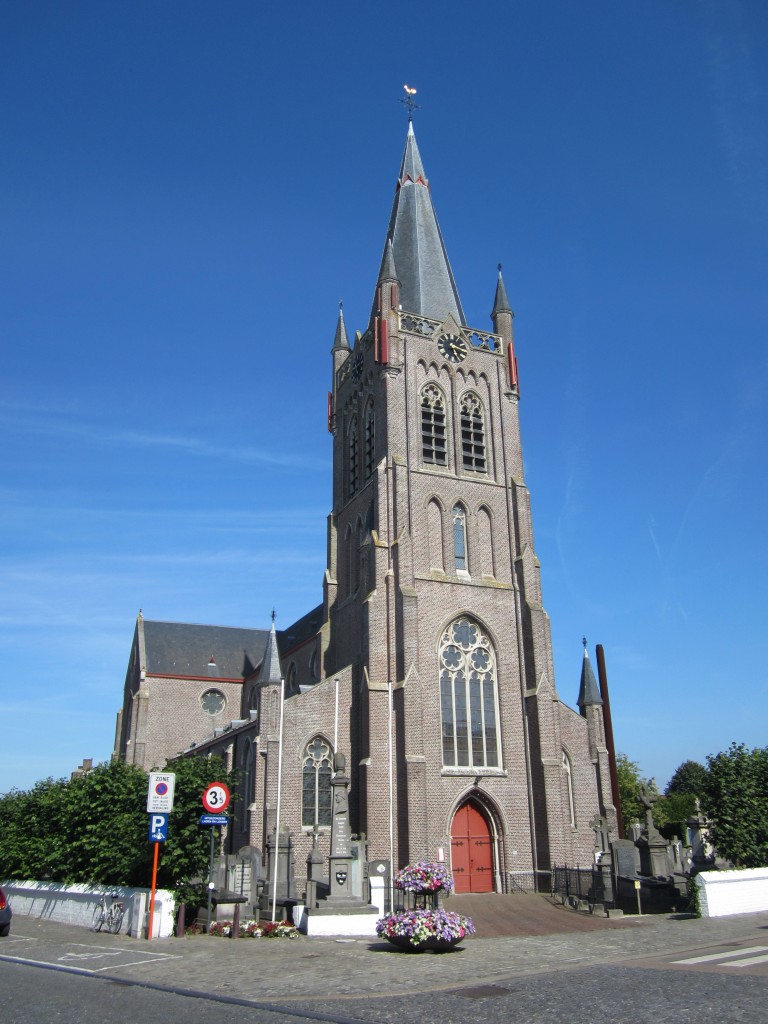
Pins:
x,y
5,914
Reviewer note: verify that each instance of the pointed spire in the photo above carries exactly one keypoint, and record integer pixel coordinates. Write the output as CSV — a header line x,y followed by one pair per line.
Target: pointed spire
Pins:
x,y
271,671
388,270
418,251
501,302
340,340
588,692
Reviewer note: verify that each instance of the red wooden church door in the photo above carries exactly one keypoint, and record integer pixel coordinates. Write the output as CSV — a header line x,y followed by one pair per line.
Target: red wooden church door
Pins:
x,y
471,851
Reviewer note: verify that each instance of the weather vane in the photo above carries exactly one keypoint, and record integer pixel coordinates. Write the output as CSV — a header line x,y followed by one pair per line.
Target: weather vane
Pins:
x,y
409,101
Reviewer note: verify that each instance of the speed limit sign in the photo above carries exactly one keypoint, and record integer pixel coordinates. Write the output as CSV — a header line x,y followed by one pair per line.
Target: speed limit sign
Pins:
x,y
216,798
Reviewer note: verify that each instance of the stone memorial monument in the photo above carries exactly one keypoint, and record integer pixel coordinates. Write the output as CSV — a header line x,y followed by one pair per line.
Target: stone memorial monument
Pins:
x,y
340,912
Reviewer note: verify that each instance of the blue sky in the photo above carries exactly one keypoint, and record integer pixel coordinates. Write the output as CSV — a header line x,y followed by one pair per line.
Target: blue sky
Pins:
x,y
187,190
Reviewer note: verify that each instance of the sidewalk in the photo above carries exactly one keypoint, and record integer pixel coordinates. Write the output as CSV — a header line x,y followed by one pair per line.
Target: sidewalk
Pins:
x,y
284,972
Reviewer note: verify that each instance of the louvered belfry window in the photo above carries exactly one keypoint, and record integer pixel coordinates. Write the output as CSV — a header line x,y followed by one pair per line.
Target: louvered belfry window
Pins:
x,y
433,446
472,434
354,459
370,441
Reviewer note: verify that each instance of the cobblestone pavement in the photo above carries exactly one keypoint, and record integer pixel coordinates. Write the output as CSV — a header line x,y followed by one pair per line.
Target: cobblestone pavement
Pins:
x,y
325,972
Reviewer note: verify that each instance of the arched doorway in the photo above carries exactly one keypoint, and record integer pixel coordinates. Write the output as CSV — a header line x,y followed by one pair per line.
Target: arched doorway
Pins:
x,y
471,849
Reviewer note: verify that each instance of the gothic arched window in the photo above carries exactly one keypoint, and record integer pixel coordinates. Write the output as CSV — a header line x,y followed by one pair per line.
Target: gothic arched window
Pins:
x,y
316,772
435,536
249,773
484,541
569,789
433,446
370,440
460,538
290,681
353,456
468,697
472,434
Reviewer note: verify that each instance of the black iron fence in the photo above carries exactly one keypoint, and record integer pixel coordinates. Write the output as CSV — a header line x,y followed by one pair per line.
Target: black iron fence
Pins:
x,y
582,885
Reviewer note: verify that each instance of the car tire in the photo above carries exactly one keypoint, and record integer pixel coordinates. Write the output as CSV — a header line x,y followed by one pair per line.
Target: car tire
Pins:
x,y
5,929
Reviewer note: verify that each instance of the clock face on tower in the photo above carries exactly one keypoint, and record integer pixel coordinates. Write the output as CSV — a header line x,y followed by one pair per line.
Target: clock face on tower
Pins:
x,y
357,367
452,347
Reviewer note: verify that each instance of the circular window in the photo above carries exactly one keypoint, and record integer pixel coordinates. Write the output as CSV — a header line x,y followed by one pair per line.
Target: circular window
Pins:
x,y
213,702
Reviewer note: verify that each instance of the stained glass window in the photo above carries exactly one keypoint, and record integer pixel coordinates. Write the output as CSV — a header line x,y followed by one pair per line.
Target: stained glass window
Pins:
x,y
468,697
316,772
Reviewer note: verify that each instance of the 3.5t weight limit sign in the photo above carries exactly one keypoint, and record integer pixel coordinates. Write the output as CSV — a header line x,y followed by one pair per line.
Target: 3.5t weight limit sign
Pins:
x,y
216,798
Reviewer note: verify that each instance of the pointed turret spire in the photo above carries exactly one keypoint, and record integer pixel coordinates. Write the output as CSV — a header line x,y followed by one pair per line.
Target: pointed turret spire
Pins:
x,y
388,270
418,252
340,340
271,671
501,302
588,691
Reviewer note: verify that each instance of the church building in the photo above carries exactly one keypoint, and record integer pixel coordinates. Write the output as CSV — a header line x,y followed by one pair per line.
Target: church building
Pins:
x,y
429,662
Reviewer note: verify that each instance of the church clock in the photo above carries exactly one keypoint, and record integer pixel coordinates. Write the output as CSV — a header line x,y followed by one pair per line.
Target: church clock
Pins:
x,y
452,347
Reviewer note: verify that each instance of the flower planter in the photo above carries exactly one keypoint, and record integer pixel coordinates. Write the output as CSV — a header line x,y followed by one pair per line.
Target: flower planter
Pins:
x,y
435,944
417,930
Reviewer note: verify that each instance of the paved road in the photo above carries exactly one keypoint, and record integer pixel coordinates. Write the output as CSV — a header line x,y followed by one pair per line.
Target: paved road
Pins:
x,y
675,969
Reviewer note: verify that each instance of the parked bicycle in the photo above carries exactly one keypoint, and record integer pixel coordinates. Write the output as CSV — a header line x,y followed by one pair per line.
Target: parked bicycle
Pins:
x,y
110,916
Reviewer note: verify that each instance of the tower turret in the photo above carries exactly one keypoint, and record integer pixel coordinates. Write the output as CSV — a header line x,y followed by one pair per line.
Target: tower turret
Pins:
x,y
503,316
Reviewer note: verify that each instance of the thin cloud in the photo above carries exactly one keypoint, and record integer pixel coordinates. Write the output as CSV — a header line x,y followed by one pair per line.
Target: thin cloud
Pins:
x,y
24,418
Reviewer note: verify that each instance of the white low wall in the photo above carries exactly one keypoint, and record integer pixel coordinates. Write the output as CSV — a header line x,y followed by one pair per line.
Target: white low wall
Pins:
x,y
733,892
74,904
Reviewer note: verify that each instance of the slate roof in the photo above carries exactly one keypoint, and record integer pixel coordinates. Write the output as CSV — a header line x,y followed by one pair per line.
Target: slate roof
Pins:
x,y
301,630
185,649
418,252
588,691
271,670
340,340
501,302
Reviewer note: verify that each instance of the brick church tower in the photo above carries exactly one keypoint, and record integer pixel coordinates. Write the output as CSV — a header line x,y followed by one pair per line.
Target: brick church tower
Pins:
x,y
432,598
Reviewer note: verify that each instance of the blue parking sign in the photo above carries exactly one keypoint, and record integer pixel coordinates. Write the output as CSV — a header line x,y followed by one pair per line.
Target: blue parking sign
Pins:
x,y
158,828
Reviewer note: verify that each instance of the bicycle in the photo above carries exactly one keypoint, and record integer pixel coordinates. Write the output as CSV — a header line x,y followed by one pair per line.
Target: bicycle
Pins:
x,y
109,916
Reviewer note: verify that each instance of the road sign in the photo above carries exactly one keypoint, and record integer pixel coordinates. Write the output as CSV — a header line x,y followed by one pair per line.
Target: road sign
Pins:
x,y
158,828
216,798
160,792
213,819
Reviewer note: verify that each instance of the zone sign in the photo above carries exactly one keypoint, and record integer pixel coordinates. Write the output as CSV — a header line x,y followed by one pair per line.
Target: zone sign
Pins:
x,y
216,798
160,792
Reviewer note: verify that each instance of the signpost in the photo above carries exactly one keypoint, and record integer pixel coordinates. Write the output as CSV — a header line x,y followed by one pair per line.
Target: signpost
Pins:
x,y
216,798
162,786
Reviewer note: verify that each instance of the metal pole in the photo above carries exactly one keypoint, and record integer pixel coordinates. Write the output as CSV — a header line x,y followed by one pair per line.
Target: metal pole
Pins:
x,y
336,720
152,891
279,783
391,800
210,878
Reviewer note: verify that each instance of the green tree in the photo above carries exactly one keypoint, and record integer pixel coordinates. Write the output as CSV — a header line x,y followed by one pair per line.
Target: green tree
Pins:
x,y
630,785
690,779
737,802
94,828
107,828
671,811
